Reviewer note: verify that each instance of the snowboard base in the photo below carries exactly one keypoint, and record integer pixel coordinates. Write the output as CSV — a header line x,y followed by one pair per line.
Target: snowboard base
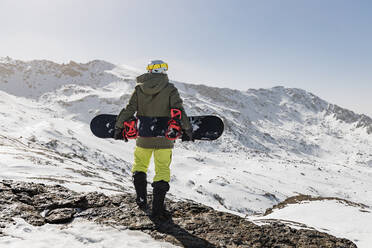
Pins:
x,y
205,127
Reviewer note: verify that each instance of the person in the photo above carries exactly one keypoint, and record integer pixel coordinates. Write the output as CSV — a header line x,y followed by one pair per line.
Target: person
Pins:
x,y
154,98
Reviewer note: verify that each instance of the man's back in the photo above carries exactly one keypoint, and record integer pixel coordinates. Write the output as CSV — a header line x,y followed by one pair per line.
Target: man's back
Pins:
x,y
153,96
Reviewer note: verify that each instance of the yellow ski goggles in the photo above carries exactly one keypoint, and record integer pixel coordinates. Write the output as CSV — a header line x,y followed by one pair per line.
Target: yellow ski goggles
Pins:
x,y
157,66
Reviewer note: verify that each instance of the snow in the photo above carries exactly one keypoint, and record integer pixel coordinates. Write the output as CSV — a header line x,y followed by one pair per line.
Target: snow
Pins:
x,y
277,142
76,234
331,216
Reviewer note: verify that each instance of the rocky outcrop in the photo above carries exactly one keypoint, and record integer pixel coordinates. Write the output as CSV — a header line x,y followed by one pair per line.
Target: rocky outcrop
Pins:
x,y
306,198
349,116
191,225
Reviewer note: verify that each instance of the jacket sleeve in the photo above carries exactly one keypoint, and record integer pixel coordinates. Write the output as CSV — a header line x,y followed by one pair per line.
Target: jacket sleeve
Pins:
x,y
176,102
127,112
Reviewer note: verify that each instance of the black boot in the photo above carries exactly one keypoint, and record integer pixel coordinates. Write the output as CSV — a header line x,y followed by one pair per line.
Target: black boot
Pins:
x,y
159,191
140,184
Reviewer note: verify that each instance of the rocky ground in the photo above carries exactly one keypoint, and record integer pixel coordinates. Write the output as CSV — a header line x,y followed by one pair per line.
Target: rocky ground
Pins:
x,y
191,225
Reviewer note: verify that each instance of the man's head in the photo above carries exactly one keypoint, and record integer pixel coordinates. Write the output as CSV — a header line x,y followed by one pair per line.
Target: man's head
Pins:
x,y
157,66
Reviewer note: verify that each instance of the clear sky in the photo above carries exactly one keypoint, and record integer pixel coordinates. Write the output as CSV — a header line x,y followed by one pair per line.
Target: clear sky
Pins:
x,y
323,46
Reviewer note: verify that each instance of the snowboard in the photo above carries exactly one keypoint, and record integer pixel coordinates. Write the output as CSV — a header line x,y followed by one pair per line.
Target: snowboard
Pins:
x,y
205,127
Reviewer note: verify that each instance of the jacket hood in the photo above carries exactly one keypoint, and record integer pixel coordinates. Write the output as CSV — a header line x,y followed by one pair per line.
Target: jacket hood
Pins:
x,y
152,83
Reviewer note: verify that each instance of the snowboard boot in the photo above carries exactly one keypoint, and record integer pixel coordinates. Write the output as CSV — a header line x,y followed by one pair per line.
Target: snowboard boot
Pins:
x,y
160,188
140,184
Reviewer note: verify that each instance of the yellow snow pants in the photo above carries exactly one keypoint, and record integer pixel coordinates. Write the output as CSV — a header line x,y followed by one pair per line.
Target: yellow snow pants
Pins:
x,y
162,160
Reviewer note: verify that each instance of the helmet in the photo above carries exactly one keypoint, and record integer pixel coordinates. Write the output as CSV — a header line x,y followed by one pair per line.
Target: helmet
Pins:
x,y
157,66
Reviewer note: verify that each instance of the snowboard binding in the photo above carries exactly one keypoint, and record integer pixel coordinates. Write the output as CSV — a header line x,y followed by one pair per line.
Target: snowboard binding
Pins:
x,y
130,130
174,130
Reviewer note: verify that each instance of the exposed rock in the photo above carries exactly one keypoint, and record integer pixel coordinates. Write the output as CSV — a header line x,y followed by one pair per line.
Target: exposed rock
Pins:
x,y
349,116
301,198
191,225
60,215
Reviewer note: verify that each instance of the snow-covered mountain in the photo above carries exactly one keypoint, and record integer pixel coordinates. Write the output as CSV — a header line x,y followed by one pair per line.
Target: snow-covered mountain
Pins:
x,y
278,142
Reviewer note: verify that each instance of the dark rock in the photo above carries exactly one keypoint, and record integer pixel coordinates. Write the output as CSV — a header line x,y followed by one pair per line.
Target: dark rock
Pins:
x,y
191,225
30,188
25,198
34,219
60,215
95,199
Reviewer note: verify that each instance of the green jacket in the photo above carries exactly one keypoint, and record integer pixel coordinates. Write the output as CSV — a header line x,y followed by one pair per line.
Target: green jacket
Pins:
x,y
153,96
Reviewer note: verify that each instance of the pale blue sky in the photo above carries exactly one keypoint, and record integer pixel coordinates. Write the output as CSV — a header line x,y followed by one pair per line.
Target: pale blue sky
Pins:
x,y
323,46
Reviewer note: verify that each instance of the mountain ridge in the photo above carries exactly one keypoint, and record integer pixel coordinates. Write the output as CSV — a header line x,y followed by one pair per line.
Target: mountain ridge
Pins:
x,y
251,117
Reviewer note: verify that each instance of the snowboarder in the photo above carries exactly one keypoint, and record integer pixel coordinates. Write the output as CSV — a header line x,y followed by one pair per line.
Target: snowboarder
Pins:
x,y
153,96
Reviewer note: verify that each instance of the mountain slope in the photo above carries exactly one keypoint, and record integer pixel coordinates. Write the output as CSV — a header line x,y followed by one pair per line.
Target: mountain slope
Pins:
x,y
278,142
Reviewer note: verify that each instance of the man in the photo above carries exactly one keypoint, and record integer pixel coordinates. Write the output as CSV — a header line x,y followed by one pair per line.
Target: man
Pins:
x,y
153,97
